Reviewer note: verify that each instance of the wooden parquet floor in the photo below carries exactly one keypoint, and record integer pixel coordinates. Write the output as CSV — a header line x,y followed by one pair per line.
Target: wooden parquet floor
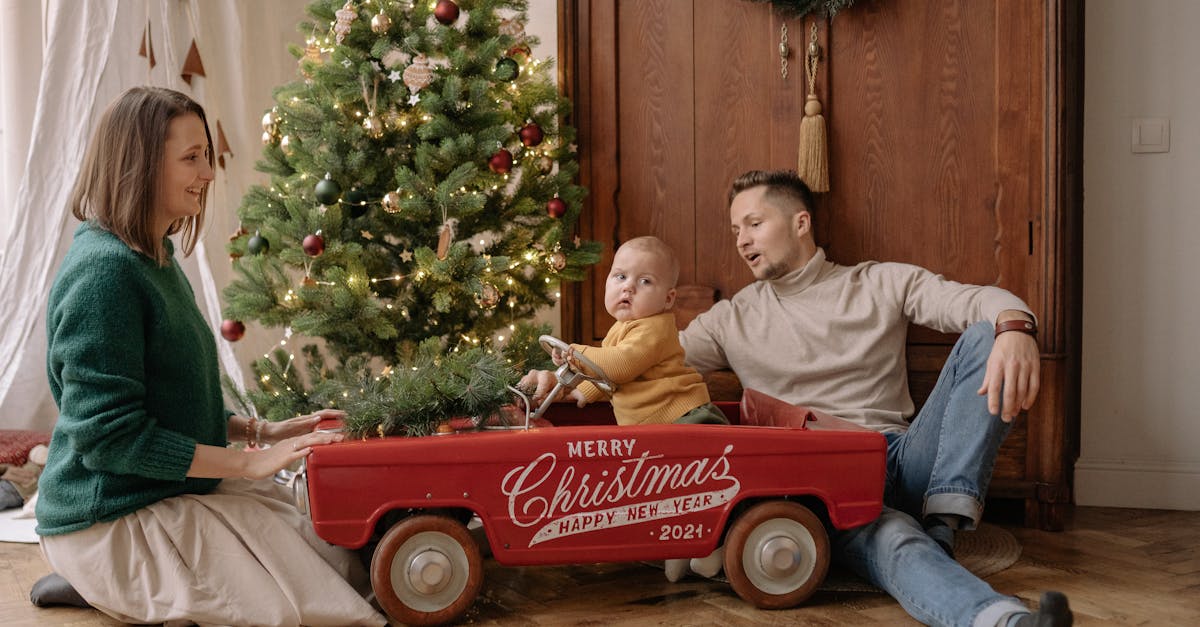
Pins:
x,y
1118,566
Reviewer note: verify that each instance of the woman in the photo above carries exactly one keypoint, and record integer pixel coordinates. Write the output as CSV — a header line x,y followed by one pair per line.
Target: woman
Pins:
x,y
143,508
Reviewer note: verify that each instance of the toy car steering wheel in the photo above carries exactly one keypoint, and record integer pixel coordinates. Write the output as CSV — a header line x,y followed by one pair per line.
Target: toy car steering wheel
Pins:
x,y
590,372
568,377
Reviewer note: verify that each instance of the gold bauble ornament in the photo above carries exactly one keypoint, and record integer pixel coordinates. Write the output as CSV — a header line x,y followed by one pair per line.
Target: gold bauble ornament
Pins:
x,y
312,53
373,125
269,120
267,137
285,144
488,296
557,260
391,202
381,23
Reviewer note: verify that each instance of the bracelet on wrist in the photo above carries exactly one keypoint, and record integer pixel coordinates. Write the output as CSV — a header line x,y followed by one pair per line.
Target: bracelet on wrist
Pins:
x,y
251,432
1021,326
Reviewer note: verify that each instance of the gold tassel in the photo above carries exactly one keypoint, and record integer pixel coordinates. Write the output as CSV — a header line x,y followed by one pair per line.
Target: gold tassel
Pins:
x,y
813,162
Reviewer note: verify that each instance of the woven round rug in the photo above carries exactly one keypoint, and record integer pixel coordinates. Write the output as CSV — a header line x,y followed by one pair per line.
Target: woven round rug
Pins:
x,y
985,551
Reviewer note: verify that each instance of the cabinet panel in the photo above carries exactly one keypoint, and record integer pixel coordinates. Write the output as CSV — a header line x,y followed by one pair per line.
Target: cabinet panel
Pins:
x,y
912,115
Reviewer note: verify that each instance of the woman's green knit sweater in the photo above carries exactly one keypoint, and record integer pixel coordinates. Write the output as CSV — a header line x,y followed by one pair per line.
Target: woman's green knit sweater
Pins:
x,y
133,369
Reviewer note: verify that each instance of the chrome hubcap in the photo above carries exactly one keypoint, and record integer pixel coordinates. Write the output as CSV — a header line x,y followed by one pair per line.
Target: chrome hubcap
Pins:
x,y
429,572
779,556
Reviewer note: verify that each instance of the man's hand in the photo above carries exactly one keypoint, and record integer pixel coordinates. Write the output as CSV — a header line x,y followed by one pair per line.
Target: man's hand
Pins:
x,y
1012,380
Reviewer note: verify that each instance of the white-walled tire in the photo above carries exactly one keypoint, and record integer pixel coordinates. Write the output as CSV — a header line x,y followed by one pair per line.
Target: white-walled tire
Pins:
x,y
776,554
426,570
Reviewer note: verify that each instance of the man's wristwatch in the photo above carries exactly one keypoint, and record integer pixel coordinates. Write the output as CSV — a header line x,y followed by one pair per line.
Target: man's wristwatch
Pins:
x,y
1023,326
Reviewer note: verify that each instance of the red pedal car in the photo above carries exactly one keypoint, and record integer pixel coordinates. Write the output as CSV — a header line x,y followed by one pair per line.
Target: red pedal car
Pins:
x,y
586,490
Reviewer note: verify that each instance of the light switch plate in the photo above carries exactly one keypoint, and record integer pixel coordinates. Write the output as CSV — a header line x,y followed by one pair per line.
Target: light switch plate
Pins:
x,y
1151,135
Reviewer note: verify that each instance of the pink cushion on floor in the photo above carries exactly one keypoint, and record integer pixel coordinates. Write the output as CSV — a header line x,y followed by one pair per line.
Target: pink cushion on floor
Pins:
x,y
15,445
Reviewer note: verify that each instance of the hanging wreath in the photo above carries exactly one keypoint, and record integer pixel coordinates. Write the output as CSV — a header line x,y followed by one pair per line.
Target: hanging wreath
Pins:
x,y
801,8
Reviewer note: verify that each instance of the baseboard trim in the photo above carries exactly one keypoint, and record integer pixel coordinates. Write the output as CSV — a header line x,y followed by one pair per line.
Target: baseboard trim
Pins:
x,y
1137,483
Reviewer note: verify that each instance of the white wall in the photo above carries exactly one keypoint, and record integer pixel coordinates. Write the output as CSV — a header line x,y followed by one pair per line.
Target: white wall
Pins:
x,y
1141,296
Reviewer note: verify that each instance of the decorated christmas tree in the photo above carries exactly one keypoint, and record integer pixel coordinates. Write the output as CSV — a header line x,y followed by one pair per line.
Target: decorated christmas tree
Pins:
x,y
421,206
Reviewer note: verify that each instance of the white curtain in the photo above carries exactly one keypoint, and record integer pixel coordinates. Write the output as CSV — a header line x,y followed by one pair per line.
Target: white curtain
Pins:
x,y
61,63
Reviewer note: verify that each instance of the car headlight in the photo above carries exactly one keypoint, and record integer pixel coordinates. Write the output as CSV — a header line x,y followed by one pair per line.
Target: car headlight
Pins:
x,y
300,488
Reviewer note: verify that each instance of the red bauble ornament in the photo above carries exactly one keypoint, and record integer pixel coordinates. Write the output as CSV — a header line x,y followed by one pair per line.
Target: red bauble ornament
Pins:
x,y
501,162
313,245
446,12
521,52
556,207
531,134
232,330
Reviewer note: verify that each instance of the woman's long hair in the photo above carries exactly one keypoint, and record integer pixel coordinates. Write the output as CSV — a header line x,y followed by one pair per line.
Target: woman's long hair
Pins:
x,y
118,182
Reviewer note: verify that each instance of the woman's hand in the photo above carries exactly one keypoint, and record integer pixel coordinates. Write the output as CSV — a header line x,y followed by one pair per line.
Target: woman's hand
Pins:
x,y
290,440
274,432
267,462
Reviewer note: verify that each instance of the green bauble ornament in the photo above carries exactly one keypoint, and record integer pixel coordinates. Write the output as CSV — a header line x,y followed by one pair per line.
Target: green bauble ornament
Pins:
x,y
506,69
258,245
328,191
357,200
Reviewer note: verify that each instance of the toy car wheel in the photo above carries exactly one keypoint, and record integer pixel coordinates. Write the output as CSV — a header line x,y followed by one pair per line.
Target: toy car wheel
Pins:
x,y
776,554
426,570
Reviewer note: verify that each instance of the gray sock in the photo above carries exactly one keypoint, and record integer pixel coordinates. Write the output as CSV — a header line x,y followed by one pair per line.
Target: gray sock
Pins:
x,y
54,590
9,497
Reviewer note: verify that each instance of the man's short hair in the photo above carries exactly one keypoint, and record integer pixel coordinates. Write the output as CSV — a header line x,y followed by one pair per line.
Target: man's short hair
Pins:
x,y
781,185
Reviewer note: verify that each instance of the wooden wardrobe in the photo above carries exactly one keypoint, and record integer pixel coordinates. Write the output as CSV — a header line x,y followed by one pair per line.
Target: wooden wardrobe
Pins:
x,y
954,139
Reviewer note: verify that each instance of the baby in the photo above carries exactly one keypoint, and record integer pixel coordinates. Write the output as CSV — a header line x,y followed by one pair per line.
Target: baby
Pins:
x,y
641,352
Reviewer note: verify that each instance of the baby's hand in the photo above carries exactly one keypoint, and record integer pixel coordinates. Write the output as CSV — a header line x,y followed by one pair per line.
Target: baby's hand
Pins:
x,y
578,397
559,357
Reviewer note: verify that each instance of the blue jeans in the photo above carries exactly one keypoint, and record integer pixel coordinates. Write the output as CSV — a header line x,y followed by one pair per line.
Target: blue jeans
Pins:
x,y
941,465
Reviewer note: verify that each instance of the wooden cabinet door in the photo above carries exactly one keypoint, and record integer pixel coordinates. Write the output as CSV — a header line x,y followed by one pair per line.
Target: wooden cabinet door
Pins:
x,y
674,99
953,131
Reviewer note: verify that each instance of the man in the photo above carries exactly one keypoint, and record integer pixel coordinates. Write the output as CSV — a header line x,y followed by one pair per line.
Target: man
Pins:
x,y
832,337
